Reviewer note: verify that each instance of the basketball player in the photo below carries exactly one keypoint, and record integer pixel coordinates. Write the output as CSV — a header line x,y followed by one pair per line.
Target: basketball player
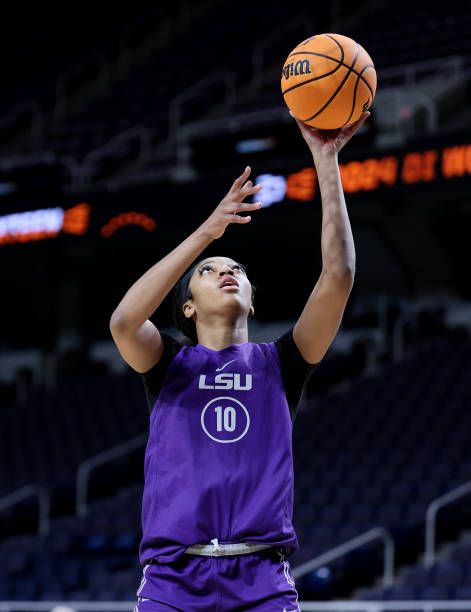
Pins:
x,y
218,496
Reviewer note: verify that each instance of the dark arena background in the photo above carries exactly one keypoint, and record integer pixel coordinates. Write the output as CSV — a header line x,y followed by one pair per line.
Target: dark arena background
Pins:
x,y
121,129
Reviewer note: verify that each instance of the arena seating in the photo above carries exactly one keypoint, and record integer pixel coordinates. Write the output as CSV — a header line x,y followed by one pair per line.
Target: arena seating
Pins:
x,y
144,98
81,559
373,452
449,578
58,429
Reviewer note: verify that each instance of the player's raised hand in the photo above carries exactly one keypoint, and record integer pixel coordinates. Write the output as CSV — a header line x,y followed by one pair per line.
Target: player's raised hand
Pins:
x,y
329,142
230,205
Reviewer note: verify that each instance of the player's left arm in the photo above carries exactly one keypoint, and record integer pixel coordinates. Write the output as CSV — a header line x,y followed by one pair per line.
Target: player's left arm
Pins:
x,y
321,317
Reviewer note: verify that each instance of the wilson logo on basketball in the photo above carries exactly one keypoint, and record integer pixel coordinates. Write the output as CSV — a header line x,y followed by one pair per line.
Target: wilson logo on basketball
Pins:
x,y
296,68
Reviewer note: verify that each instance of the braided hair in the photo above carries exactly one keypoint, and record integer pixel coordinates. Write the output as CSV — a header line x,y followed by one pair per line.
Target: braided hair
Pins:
x,y
182,293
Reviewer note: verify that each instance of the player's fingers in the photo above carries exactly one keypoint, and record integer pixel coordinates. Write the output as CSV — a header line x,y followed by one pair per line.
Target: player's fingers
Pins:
x,y
303,126
357,124
245,191
238,219
249,206
237,184
298,121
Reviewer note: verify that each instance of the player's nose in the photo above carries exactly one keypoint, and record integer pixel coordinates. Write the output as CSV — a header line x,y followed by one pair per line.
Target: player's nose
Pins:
x,y
225,269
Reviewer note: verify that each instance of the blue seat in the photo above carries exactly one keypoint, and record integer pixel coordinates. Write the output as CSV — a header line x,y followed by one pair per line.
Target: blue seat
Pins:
x,y
361,515
320,537
427,492
400,493
416,577
448,575
389,514
27,592
411,474
385,475
126,541
17,563
98,579
319,497
333,478
359,476
433,592
463,593
304,516
370,594
400,592
331,515
372,494
49,594
107,594
345,496
96,542
79,595
461,552
347,532
415,514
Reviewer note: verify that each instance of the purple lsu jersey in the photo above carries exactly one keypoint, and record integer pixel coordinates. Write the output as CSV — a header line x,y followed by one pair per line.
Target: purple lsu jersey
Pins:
x,y
218,461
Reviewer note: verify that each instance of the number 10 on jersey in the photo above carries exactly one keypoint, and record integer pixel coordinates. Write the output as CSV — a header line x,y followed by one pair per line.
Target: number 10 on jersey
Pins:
x,y
229,418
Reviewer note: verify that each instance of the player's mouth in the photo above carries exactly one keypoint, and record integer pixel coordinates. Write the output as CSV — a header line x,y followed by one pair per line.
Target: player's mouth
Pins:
x,y
228,284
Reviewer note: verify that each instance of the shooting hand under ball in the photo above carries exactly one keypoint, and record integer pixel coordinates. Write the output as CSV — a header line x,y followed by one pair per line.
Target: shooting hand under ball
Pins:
x,y
329,142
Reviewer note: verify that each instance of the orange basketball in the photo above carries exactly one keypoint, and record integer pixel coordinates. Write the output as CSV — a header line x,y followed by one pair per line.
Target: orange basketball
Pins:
x,y
328,80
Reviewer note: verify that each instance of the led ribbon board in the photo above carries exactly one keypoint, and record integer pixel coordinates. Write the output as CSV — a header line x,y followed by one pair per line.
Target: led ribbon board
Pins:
x,y
43,223
372,173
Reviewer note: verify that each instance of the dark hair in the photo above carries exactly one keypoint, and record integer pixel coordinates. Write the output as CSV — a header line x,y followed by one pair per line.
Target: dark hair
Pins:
x,y
182,293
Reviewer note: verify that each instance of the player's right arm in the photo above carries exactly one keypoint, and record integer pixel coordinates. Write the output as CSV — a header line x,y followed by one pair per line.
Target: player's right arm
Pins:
x,y
137,338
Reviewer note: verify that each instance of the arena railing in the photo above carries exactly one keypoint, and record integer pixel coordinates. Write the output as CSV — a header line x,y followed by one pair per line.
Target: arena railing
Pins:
x,y
176,103
109,72
102,69
410,73
451,67
431,518
377,533
106,71
336,605
83,176
36,121
379,606
31,490
39,117
86,467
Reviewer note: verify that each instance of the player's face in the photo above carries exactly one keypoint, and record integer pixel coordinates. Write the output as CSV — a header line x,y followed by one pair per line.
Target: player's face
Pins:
x,y
220,284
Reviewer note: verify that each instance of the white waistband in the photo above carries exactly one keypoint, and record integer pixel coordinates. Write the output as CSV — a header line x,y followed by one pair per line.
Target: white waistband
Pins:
x,y
217,550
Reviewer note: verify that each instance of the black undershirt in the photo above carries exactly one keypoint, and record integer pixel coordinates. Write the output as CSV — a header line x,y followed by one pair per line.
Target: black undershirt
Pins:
x,y
295,371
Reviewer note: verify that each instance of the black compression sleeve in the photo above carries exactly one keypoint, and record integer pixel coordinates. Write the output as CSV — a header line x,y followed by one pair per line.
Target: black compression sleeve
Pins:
x,y
294,369
153,379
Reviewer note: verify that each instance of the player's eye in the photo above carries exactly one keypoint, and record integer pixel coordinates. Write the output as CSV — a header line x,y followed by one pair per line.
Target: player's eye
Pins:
x,y
241,268
205,267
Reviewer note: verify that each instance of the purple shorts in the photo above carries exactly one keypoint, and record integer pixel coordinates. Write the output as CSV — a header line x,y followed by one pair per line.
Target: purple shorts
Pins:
x,y
259,581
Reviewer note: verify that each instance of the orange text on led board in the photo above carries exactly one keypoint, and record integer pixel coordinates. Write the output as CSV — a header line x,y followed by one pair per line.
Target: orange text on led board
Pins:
x,y
129,218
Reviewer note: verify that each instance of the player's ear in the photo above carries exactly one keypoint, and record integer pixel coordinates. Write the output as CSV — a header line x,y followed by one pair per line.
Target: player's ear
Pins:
x,y
251,310
188,309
